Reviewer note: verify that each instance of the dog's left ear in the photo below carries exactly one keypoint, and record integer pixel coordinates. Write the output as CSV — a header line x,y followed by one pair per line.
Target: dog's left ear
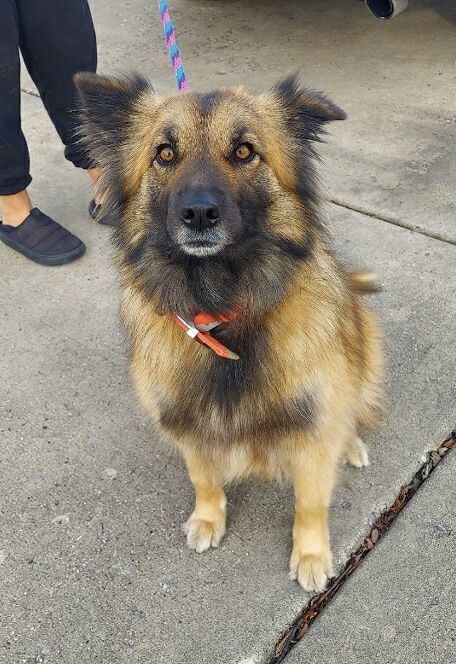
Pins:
x,y
306,111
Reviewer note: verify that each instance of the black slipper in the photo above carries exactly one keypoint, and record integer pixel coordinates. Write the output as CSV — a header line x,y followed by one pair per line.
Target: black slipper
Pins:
x,y
42,239
105,218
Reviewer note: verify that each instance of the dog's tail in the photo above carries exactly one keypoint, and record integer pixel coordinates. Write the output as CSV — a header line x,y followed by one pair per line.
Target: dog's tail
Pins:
x,y
364,281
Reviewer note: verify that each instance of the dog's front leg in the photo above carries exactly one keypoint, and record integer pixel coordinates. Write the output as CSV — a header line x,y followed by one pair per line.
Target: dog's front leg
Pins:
x,y
313,477
206,525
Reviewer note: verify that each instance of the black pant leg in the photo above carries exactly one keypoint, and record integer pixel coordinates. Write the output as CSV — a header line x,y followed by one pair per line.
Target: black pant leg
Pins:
x,y
14,156
57,39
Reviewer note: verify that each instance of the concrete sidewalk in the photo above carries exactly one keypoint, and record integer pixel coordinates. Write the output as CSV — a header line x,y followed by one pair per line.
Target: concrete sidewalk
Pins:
x,y
93,565
400,606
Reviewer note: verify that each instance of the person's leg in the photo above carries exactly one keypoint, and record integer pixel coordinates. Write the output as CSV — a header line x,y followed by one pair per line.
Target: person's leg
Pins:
x,y
14,157
23,228
57,39
16,208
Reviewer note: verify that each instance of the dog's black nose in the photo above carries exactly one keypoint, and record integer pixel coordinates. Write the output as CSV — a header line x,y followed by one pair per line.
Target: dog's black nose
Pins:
x,y
200,213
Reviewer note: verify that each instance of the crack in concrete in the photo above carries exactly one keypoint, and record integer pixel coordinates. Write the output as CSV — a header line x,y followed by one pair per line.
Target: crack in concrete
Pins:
x,y
295,632
29,91
392,220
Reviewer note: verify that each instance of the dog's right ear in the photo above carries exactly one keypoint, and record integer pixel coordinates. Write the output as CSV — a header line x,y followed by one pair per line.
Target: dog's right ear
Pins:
x,y
107,109
107,102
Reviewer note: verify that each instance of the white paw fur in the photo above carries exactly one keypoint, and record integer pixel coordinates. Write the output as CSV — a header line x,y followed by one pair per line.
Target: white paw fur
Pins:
x,y
312,571
356,453
202,534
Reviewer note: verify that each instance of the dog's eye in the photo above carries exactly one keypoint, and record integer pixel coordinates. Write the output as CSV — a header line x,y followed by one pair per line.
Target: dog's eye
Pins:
x,y
244,152
165,154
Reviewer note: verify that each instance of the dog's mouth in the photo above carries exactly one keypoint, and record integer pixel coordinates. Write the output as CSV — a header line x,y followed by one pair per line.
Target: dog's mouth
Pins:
x,y
201,248
202,243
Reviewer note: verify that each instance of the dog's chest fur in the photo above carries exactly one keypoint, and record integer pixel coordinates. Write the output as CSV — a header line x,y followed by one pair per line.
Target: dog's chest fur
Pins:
x,y
223,402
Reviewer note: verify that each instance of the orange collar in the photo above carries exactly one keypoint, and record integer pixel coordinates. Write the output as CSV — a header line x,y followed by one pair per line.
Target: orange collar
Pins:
x,y
200,330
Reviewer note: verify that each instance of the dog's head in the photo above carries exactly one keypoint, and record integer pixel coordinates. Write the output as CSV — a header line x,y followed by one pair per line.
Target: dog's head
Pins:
x,y
203,177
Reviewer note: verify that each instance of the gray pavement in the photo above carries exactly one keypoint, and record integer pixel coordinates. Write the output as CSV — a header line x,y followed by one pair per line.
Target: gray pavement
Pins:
x,y
93,565
400,606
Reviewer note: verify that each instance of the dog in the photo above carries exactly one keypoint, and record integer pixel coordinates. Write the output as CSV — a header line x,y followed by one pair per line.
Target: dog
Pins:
x,y
249,344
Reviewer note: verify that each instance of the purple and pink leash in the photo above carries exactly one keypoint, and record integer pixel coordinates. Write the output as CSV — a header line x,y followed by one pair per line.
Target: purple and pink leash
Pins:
x,y
171,44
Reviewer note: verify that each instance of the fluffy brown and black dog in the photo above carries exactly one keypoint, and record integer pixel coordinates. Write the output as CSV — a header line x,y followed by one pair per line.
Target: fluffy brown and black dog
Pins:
x,y
220,213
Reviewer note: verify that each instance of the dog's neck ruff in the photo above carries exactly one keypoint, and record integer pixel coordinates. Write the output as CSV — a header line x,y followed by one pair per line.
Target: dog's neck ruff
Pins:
x,y
200,329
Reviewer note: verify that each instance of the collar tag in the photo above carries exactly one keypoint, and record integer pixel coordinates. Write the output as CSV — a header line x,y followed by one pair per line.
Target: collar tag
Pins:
x,y
200,331
189,329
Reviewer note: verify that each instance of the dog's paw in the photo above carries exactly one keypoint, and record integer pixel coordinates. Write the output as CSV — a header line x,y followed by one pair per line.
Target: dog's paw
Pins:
x,y
356,453
202,533
311,571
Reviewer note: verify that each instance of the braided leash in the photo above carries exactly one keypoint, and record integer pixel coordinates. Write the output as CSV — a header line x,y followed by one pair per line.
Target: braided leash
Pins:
x,y
173,50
